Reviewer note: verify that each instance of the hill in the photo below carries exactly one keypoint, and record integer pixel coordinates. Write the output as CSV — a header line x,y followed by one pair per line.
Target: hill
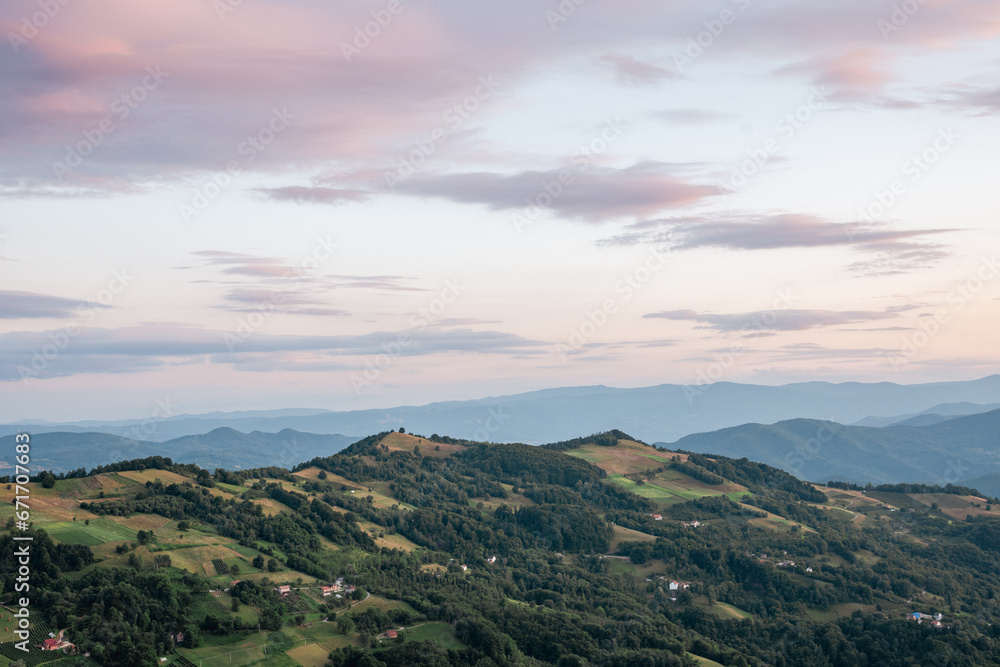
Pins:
x,y
600,550
936,413
661,413
221,448
951,451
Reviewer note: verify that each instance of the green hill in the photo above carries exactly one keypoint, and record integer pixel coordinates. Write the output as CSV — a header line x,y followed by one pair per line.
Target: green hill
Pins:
x,y
503,554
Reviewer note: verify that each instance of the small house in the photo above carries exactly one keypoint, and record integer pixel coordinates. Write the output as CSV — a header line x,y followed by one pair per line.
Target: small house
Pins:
x,y
327,591
284,590
679,585
391,634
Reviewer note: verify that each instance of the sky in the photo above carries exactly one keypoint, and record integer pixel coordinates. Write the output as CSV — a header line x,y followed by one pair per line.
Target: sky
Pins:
x,y
223,205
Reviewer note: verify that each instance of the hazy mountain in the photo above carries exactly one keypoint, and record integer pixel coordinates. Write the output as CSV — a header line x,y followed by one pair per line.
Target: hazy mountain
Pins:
x,y
937,413
221,448
988,484
952,451
664,412
923,420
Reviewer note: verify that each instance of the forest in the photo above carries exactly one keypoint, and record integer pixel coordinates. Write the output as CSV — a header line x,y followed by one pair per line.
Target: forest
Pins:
x,y
526,556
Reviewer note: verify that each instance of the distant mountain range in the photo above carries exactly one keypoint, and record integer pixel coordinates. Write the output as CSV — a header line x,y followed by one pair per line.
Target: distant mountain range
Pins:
x,y
953,451
220,448
660,413
933,415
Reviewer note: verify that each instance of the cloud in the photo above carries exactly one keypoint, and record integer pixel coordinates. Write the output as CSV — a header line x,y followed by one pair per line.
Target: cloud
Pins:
x,y
307,195
690,116
150,346
778,320
894,250
632,72
29,305
858,73
594,194
224,80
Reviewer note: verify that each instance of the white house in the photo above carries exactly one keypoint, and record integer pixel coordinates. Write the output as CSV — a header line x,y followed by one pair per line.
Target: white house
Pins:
x,y
678,585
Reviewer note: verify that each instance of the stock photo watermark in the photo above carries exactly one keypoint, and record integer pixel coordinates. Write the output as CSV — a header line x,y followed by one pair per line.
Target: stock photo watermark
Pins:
x,y
264,309
248,149
59,340
714,28
912,170
724,362
371,30
495,420
900,15
551,190
35,23
785,129
425,317
454,118
121,109
595,320
962,294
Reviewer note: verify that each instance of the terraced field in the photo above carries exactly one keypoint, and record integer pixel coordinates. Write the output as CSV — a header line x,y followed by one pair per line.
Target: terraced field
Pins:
x,y
627,458
99,531
666,492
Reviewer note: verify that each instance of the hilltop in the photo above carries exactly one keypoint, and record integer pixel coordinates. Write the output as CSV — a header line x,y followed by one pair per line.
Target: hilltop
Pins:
x,y
599,550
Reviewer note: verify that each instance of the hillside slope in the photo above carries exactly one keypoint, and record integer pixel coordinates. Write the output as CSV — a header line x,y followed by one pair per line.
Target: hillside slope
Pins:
x,y
597,551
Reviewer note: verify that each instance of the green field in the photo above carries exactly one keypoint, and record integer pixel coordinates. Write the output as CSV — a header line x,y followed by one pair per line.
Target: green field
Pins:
x,y
98,532
442,633
667,493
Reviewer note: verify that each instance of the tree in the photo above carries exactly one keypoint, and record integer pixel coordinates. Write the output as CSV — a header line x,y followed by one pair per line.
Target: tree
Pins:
x,y
234,568
272,565
322,474
183,525
345,624
258,562
48,480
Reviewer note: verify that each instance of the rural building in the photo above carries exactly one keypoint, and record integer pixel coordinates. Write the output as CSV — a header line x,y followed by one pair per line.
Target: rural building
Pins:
x,y
391,634
677,585
284,590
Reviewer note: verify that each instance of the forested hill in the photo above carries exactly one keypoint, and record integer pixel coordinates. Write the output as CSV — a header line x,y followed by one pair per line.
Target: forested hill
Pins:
x,y
601,550
955,450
